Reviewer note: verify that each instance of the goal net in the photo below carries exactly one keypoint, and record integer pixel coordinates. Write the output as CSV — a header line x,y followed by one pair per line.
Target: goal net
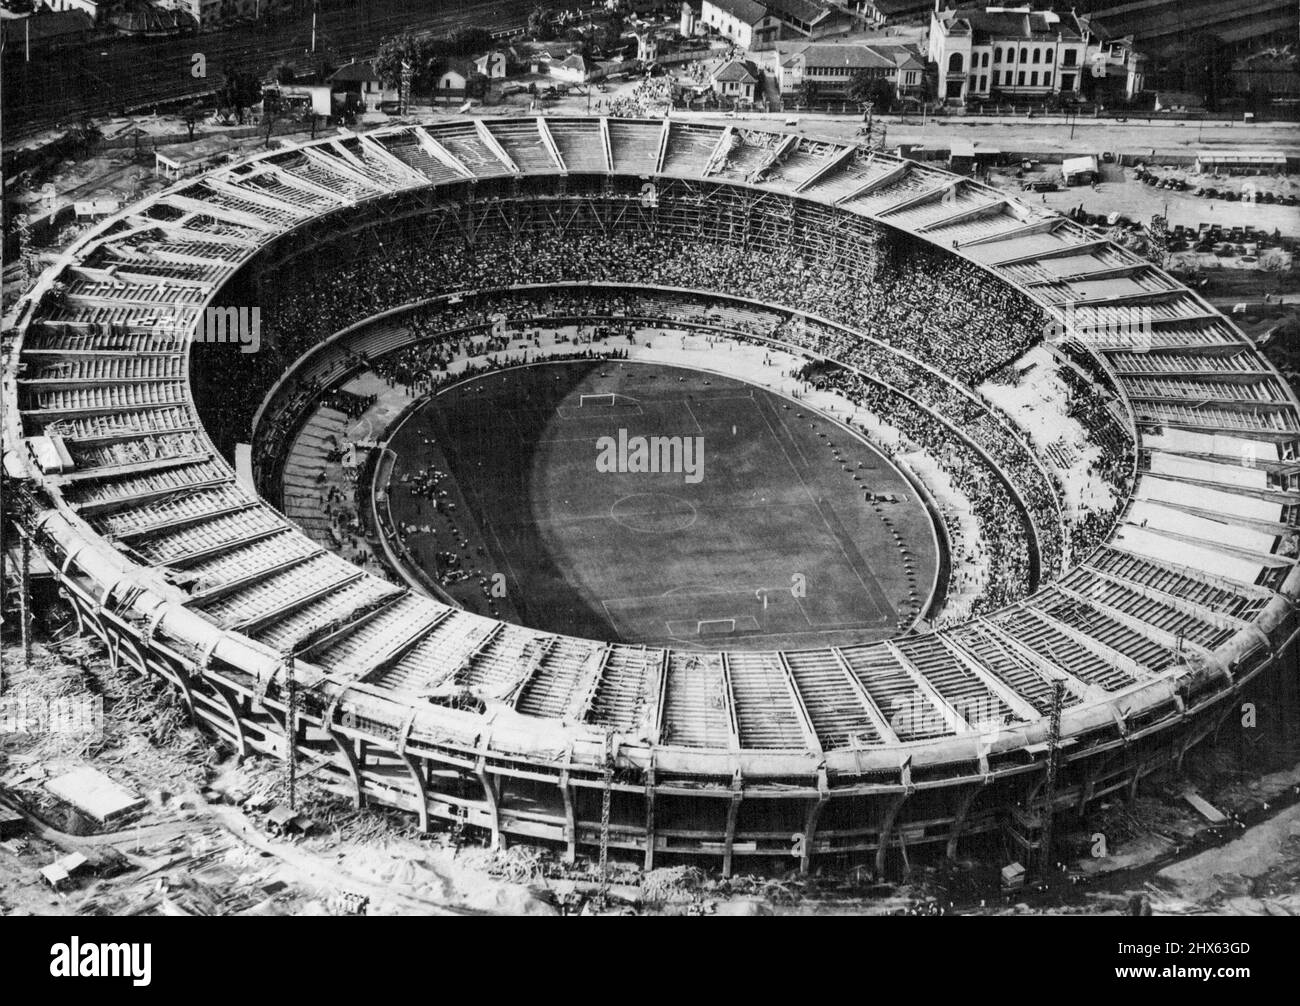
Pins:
x,y
588,401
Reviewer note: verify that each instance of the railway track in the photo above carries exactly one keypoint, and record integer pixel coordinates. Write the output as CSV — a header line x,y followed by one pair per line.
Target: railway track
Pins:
x,y
127,75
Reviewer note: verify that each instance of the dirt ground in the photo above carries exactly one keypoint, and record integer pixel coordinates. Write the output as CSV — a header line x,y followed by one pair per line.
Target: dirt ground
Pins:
x,y
202,844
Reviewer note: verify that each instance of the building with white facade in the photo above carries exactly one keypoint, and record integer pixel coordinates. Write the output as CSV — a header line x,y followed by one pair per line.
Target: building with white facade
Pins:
x,y
745,22
985,52
736,80
831,67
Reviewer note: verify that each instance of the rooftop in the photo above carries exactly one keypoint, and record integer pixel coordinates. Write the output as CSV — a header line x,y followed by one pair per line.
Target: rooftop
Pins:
x,y
737,70
354,72
745,11
1003,22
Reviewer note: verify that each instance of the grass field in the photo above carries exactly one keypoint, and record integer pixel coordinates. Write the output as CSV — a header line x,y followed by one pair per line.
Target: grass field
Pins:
x,y
775,545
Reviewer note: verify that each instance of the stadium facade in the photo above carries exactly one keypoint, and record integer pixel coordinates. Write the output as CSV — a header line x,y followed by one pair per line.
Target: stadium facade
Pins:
x,y
794,753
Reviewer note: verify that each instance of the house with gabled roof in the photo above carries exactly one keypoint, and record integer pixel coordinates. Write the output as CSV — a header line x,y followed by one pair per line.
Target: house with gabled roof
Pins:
x,y
356,84
737,80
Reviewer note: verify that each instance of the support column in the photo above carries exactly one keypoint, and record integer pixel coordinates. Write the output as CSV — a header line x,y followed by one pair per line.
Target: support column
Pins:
x,y
82,628
493,799
421,797
570,821
649,863
733,810
815,808
887,830
1090,787
959,821
182,683
230,700
344,746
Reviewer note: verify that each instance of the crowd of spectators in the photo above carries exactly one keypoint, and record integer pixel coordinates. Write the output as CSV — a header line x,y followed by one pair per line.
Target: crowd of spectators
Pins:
x,y
649,98
1003,549
938,308
893,304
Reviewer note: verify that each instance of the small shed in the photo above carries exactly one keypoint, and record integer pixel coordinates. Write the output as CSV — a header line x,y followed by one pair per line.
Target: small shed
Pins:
x,y
1080,170
1179,101
95,794
452,81
284,820
56,874
96,209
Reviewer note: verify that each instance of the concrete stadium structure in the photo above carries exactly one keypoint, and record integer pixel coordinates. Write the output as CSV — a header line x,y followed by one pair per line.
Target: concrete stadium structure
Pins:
x,y
792,753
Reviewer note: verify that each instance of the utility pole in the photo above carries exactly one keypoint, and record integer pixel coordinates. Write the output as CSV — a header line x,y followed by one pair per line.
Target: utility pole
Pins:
x,y
1049,786
25,598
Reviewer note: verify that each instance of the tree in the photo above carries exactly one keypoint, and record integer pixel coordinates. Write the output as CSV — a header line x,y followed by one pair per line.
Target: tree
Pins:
x,y
540,26
476,86
469,41
425,56
239,91
284,72
807,92
192,114
928,87
1275,264
865,86
393,52
607,35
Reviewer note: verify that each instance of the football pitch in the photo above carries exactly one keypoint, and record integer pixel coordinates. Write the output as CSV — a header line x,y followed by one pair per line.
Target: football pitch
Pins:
x,y
780,530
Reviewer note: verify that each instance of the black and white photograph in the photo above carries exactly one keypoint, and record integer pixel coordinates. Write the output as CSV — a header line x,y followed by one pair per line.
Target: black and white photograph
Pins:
x,y
651,458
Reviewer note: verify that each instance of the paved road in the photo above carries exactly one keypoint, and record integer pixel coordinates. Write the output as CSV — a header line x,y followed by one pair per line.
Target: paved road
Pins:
x,y
108,78
1045,135
1099,135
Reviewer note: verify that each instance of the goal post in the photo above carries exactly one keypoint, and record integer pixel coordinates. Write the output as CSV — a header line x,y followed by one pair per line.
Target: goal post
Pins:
x,y
587,401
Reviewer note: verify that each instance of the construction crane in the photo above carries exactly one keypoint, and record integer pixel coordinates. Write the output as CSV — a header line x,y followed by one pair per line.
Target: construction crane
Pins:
x,y
602,892
17,500
291,729
1049,785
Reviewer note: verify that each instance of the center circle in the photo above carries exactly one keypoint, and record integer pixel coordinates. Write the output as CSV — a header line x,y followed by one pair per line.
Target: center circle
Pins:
x,y
653,513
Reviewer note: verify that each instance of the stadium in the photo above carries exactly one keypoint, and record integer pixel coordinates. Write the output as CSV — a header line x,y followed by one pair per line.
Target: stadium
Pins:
x,y
1058,489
